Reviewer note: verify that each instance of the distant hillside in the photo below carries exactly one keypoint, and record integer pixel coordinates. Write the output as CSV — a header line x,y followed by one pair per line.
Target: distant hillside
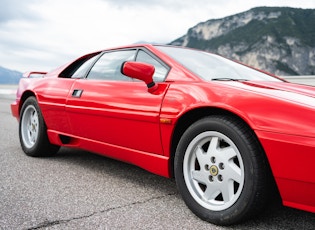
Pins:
x,y
9,76
277,39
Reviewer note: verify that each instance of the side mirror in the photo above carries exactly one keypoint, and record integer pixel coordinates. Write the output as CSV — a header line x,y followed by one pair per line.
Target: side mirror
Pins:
x,y
141,71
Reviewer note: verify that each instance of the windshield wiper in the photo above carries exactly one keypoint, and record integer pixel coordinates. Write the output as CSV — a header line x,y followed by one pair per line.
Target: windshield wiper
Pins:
x,y
227,79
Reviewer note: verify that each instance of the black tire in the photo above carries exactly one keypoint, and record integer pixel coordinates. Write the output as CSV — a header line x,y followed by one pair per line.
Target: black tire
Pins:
x,y
221,170
33,131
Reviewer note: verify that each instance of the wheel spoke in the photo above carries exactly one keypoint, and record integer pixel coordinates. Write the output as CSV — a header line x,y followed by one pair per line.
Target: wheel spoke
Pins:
x,y
35,119
211,193
227,190
201,156
228,153
234,172
213,147
199,176
35,134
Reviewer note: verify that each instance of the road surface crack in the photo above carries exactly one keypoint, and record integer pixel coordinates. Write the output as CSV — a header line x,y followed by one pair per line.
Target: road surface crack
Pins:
x,y
49,223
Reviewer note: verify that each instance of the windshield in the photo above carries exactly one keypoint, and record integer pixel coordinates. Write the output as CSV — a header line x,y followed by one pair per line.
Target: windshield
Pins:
x,y
214,67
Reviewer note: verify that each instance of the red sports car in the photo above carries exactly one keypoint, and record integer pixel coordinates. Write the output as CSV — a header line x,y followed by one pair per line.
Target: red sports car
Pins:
x,y
226,132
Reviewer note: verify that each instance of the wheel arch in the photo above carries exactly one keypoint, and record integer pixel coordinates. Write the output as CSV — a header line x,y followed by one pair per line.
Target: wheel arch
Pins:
x,y
188,118
24,96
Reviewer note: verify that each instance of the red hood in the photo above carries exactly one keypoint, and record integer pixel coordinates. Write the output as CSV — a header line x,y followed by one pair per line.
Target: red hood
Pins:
x,y
286,86
297,93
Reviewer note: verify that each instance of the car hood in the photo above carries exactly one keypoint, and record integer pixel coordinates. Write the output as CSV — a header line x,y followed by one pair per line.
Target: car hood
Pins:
x,y
302,94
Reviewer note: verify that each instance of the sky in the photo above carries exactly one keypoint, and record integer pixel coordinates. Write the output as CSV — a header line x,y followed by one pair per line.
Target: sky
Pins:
x,y
40,35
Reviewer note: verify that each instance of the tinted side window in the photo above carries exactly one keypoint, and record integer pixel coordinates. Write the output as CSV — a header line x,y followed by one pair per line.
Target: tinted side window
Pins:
x,y
82,70
160,70
76,65
109,65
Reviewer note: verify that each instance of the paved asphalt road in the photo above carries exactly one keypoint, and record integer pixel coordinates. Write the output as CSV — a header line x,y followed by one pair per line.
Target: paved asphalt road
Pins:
x,y
80,190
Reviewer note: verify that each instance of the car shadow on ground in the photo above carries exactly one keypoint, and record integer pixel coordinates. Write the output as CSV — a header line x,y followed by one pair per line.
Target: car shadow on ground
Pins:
x,y
110,167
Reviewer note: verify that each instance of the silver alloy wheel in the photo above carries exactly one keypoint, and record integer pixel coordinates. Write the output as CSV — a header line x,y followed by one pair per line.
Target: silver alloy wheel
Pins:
x,y
213,171
29,126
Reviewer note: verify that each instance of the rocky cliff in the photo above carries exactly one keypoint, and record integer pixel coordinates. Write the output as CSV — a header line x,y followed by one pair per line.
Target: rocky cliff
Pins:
x,y
275,39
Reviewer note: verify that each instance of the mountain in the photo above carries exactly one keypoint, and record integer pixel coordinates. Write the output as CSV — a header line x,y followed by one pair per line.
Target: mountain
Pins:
x,y
8,76
279,40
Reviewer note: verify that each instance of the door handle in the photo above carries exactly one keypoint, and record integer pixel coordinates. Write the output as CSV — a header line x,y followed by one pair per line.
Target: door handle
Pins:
x,y
77,93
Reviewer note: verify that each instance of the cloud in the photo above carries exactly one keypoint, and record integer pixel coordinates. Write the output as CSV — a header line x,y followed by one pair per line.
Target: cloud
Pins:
x,y
174,4
42,34
16,10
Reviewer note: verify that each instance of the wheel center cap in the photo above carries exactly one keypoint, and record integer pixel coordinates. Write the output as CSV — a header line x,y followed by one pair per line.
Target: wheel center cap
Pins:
x,y
214,170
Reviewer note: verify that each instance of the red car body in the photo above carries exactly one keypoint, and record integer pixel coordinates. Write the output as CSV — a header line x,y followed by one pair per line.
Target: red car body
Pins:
x,y
125,121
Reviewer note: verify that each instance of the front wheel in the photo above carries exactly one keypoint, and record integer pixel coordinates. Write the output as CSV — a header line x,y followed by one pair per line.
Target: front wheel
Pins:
x,y
33,131
220,170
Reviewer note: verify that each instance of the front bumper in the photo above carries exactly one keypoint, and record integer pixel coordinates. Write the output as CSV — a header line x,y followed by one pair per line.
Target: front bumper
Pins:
x,y
15,110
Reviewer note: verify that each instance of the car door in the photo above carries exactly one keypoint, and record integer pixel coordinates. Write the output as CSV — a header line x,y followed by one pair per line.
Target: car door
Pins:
x,y
52,93
112,108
